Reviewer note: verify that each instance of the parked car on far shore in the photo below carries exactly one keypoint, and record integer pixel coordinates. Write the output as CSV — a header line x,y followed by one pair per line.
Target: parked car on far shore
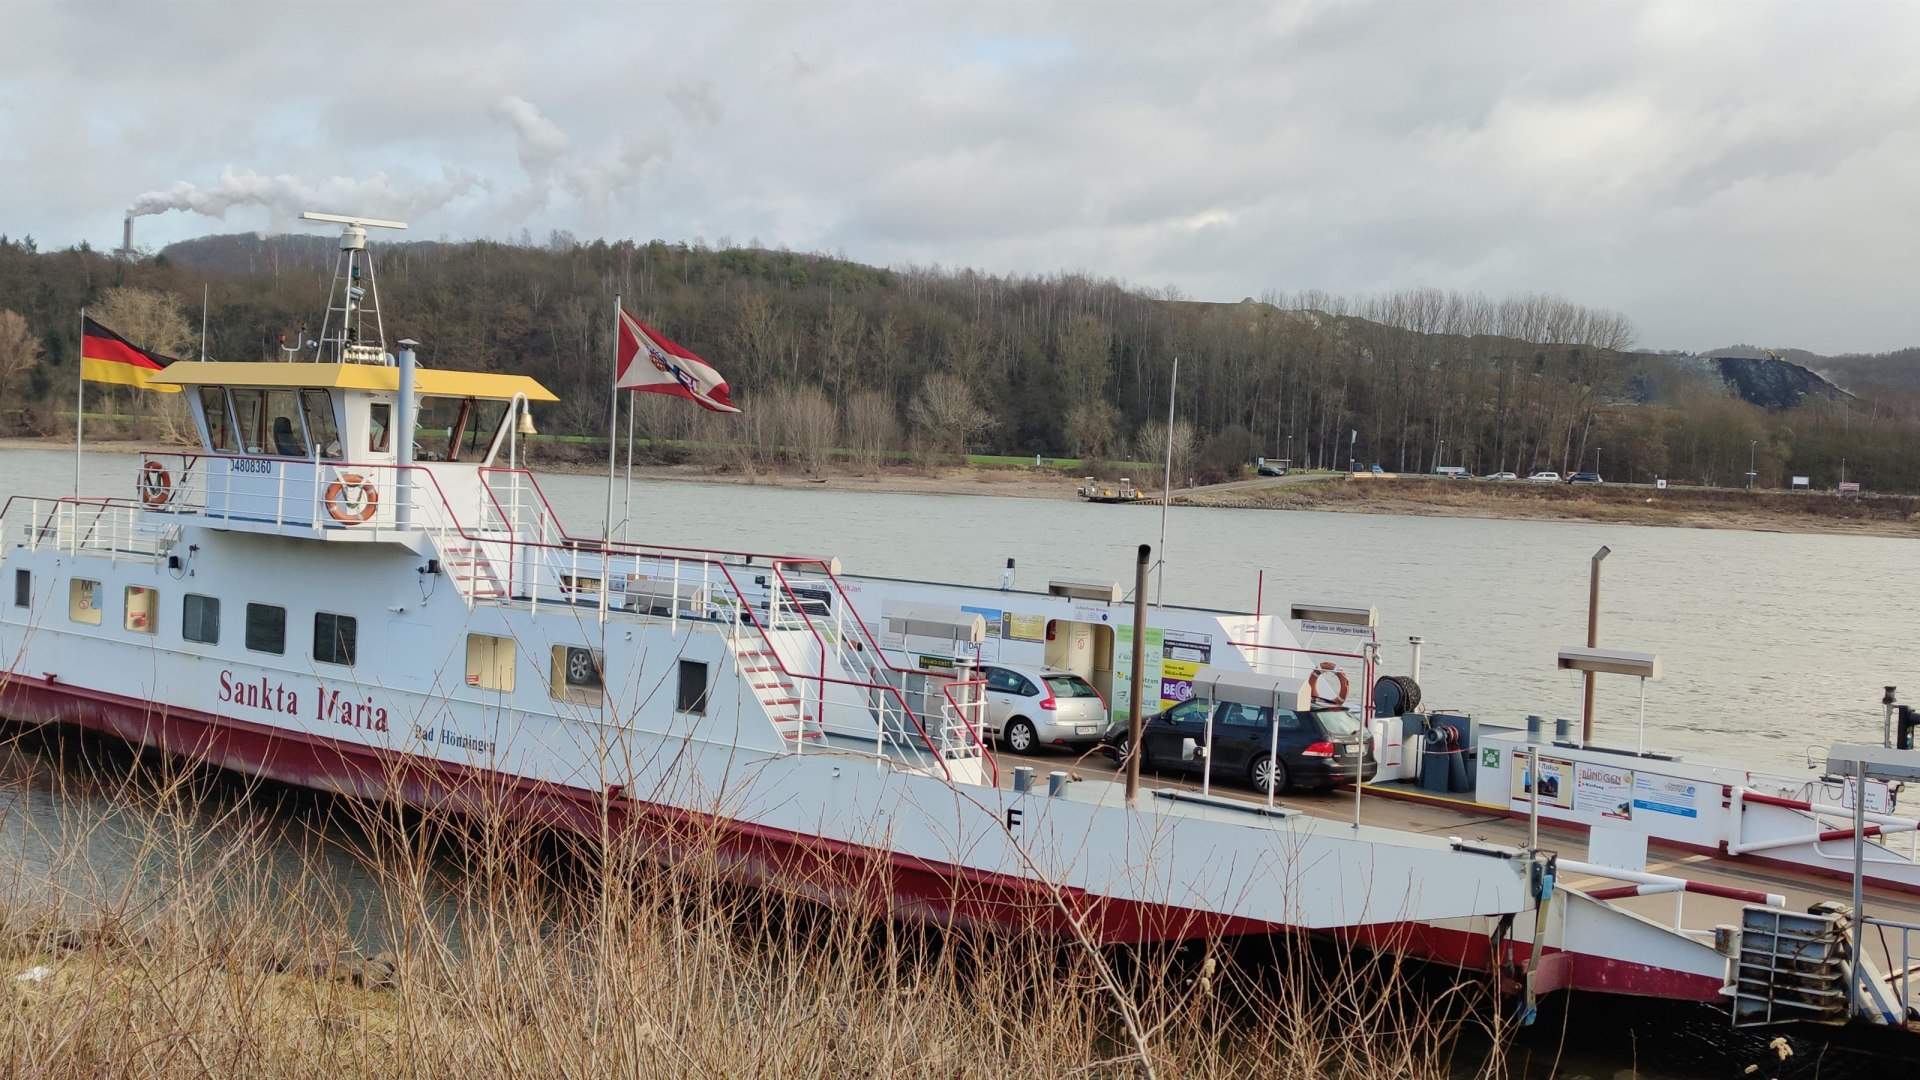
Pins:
x,y
1585,478
1544,478
1501,476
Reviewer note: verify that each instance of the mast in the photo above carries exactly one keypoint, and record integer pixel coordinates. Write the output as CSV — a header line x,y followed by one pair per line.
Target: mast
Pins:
x,y
353,296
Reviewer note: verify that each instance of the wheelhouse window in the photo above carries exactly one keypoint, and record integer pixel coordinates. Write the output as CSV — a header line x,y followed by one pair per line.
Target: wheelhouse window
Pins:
x,y
458,429
267,628
248,409
692,697
200,619
23,588
380,416
321,426
334,638
285,436
490,662
143,609
213,401
83,601
578,674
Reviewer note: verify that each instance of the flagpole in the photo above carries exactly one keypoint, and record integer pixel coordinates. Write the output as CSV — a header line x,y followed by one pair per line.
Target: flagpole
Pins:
x,y
203,321
1166,485
79,402
626,514
613,420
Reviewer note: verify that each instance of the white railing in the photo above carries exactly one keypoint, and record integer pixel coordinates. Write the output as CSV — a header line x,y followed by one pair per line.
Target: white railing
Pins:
x,y
1900,974
117,530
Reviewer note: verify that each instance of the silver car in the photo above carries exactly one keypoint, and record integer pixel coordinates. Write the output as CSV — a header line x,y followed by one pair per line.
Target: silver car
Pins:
x,y
1031,707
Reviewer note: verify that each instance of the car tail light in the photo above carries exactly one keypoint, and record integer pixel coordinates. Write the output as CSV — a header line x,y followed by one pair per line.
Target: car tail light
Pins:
x,y
1047,702
1319,749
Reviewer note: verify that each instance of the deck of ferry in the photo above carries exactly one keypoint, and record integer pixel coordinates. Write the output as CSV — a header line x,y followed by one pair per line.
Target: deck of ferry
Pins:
x,y
1418,812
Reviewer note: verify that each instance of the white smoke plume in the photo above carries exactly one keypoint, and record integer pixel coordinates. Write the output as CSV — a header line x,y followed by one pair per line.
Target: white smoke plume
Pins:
x,y
541,142
377,195
545,152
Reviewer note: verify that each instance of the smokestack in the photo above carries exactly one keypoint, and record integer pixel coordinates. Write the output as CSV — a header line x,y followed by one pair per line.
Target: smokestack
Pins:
x,y
126,237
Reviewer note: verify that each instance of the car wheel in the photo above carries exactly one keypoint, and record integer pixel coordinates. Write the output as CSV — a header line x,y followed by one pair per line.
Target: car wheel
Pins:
x,y
1120,752
1268,775
1020,736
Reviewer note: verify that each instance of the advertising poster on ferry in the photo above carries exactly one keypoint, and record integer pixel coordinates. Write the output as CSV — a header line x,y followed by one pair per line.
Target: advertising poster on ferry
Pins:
x,y
1183,653
1556,782
989,650
1150,662
1666,795
1603,790
1020,627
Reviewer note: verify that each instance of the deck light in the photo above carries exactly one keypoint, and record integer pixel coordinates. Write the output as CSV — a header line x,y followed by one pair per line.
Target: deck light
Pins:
x,y
1591,662
1107,592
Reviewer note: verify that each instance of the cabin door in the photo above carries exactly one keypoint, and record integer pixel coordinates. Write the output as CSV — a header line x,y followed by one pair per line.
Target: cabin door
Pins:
x,y
1086,649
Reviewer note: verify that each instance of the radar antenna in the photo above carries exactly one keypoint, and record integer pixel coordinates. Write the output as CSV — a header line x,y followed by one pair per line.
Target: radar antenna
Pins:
x,y
353,297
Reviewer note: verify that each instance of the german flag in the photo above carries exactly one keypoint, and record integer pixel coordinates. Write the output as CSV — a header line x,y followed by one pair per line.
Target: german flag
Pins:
x,y
109,358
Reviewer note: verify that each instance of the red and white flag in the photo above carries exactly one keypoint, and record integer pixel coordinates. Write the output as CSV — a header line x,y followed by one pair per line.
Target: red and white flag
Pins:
x,y
648,361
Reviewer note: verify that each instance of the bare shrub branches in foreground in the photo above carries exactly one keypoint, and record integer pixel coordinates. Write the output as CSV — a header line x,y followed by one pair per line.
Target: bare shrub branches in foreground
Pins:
x,y
166,924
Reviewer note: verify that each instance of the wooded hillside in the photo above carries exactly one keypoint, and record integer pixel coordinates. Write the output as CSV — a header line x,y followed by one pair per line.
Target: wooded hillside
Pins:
x,y
823,353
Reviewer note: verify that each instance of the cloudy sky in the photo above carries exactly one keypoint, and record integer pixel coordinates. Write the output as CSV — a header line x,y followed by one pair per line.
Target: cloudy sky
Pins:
x,y
1741,171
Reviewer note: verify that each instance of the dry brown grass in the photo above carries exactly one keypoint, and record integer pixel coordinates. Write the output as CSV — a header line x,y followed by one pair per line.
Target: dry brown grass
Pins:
x,y
505,953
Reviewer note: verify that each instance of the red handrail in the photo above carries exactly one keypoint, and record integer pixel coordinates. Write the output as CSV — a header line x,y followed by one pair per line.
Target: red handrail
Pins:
x,y
606,549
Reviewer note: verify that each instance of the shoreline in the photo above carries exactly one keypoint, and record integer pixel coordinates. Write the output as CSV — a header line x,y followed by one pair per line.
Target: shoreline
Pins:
x,y
1685,508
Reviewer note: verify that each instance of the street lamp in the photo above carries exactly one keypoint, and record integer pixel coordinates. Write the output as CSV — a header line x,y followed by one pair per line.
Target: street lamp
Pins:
x,y
1596,461
1440,454
1289,451
1753,448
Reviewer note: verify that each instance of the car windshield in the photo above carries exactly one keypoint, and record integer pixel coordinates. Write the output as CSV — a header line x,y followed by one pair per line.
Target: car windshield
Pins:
x,y
1070,686
1336,723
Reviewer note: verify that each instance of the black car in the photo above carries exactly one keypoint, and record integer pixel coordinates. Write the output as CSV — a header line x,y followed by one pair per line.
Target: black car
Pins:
x,y
1317,749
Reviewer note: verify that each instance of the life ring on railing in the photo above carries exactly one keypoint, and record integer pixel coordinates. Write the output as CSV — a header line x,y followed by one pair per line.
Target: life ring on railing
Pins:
x,y
351,500
156,485
1313,684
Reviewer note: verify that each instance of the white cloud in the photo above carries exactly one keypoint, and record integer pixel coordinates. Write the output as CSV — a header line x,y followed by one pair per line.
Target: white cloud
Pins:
x,y
1719,171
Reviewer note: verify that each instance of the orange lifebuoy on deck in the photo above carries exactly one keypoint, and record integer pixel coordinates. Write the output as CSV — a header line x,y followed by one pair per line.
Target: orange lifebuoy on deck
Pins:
x,y
1313,684
351,500
156,485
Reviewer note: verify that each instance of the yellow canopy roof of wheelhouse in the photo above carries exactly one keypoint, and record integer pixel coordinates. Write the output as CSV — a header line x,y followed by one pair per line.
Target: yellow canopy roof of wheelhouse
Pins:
x,y
434,382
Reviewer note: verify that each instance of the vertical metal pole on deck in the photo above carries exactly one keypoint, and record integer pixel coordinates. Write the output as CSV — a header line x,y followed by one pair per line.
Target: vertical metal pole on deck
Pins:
x,y
1166,485
1859,881
1593,641
1370,650
403,442
1533,802
613,421
79,403
1134,677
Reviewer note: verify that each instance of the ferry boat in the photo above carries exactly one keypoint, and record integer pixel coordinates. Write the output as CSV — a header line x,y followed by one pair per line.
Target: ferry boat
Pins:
x,y
352,585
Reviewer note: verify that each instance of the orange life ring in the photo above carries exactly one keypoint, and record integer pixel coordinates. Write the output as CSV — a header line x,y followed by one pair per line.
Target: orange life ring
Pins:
x,y
1313,683
156,486
351,500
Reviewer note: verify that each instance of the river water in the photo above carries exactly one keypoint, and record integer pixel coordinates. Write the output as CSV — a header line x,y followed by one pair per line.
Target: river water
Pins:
x,y
1771,643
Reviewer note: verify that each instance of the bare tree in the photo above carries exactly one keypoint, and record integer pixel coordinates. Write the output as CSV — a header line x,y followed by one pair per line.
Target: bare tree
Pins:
x,y
19,351
146,317
805,423
1150,444
873,425
947,411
